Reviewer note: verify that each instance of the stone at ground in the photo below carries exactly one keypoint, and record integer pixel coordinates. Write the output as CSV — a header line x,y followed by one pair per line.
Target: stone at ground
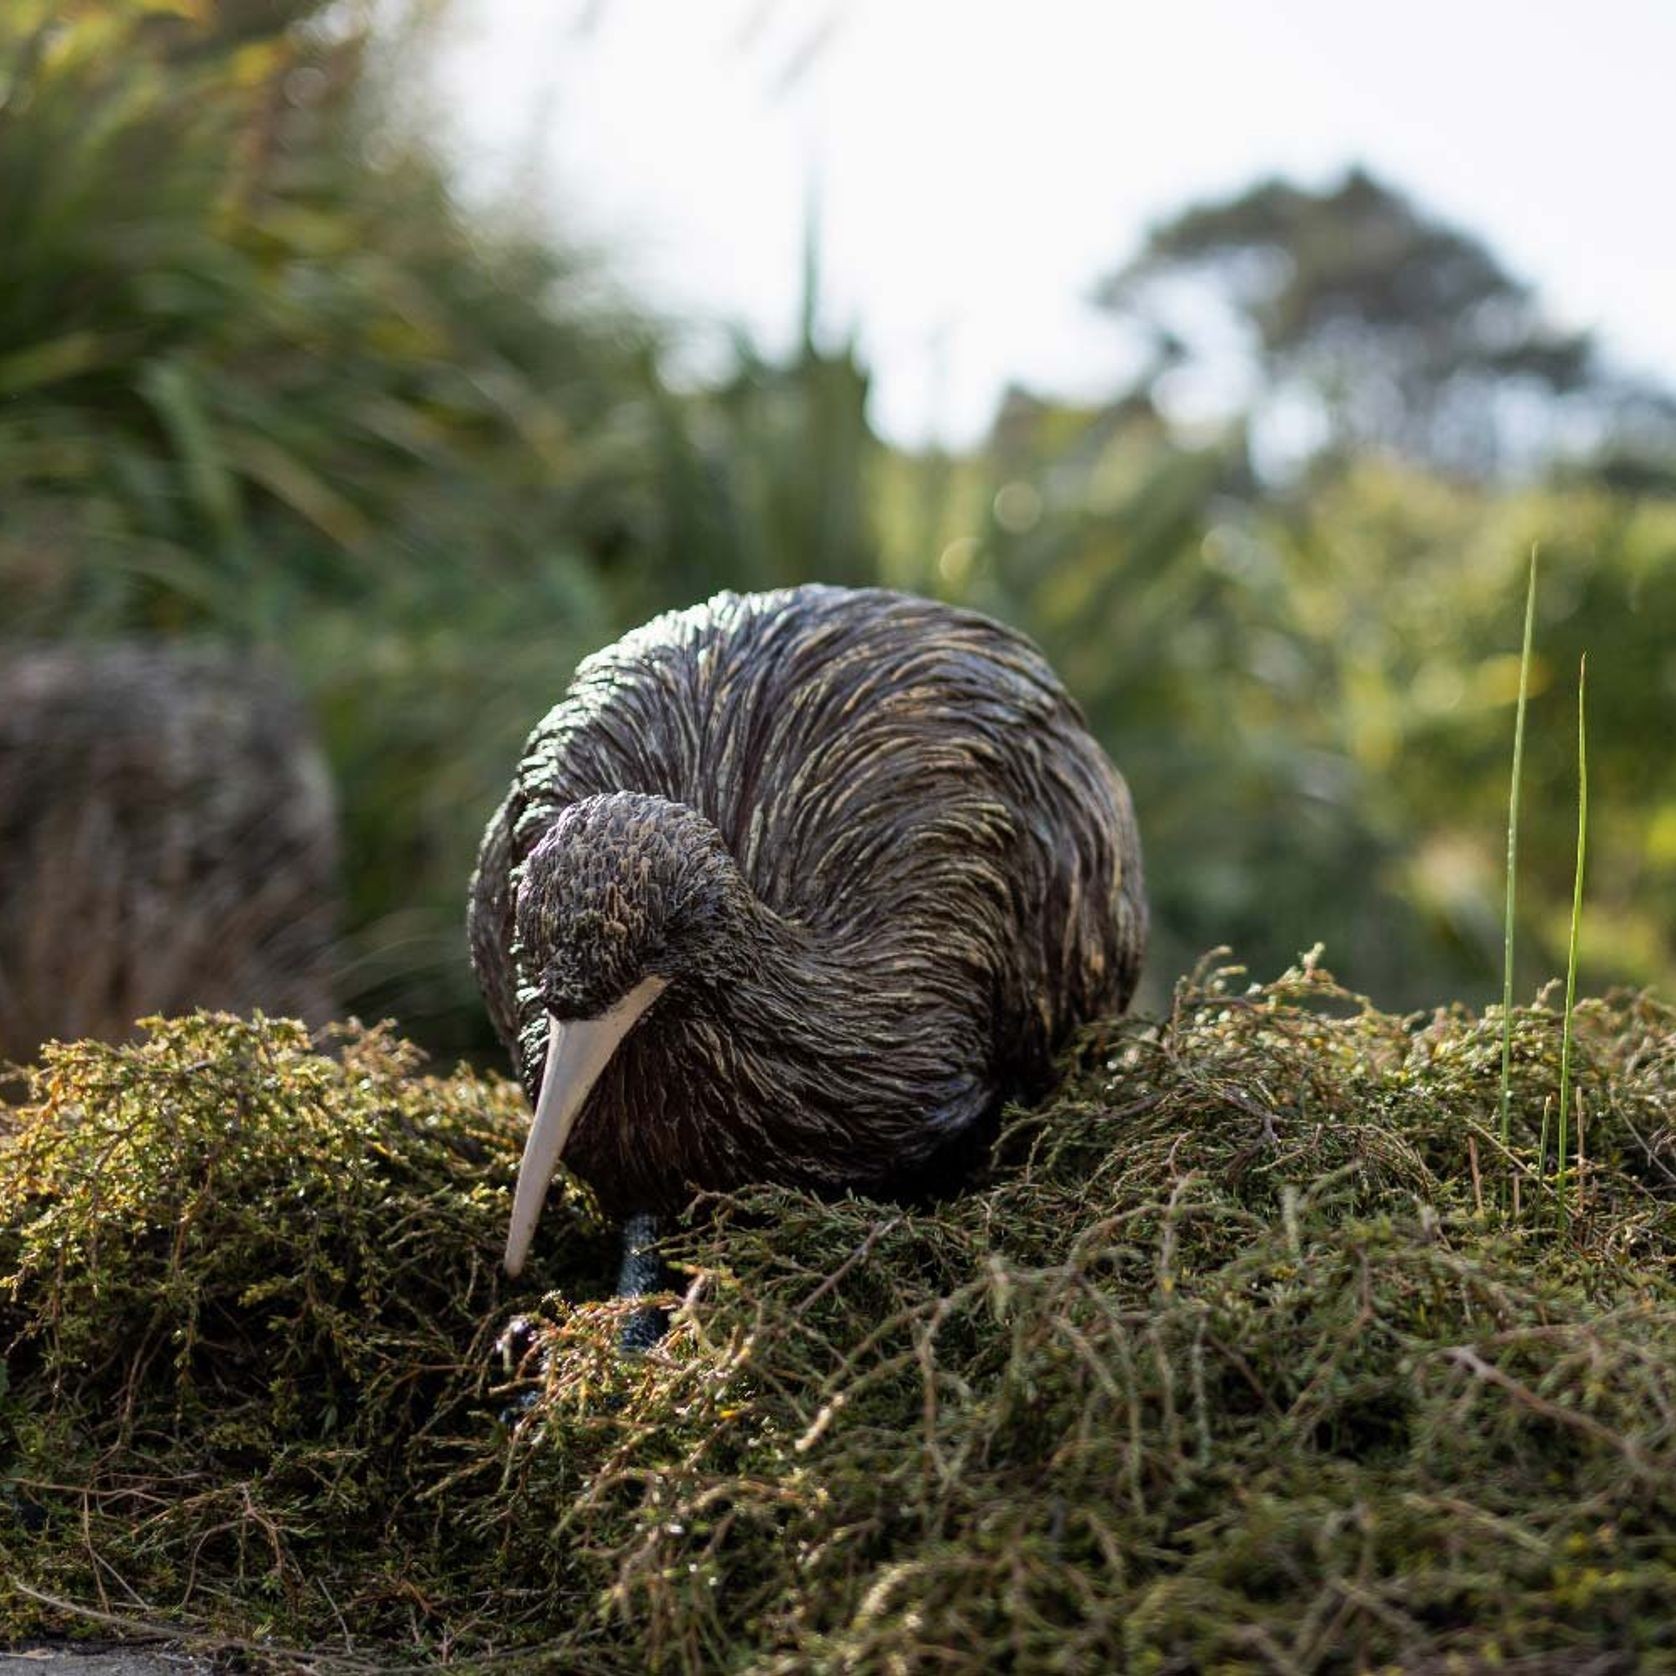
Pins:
x,y
108,1659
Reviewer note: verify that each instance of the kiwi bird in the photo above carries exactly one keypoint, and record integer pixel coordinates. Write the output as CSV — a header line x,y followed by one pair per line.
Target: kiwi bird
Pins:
x,y
798,887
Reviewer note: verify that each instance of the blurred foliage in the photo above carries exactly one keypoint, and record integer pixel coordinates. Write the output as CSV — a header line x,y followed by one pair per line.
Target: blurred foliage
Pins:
x,y
1379,325
263,379
1312,693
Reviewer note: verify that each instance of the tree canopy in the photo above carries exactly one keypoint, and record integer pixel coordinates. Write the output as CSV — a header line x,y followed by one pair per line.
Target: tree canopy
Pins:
x,y
1372,322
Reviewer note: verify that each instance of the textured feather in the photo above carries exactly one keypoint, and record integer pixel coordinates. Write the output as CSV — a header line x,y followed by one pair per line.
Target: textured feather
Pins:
x,y
938,879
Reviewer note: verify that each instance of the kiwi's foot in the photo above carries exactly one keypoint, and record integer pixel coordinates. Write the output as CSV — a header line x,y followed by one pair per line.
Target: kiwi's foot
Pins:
x,y
512,1349
641,1275
642,1330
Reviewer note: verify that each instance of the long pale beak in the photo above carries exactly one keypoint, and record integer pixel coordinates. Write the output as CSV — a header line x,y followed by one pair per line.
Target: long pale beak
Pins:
x,y
577,1051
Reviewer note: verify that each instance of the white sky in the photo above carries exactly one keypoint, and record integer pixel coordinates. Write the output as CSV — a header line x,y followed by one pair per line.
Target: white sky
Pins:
x,y
982,162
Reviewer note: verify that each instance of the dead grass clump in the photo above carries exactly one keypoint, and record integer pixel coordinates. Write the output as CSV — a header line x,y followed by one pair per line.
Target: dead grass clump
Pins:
x,y
167,838
1231,1361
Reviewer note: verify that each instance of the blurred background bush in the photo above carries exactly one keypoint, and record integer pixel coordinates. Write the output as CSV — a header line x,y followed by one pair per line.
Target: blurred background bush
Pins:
x,y
266,382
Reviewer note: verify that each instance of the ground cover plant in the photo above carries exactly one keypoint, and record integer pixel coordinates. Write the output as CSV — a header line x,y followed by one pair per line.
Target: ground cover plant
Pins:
x,y
1233,1358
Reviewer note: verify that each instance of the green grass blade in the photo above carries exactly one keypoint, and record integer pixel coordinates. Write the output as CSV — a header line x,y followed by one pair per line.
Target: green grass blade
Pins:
x,y
1576,914
1513,861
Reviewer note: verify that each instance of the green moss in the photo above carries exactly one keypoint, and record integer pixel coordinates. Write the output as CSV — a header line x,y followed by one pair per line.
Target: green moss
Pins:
x,y
1226,1364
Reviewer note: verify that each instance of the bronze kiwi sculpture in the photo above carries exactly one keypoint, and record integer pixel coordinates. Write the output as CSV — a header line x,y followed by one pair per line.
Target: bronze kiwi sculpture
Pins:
x,y
797,887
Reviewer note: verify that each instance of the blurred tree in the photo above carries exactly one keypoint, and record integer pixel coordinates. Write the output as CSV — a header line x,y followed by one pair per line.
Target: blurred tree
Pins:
x,y
263,379
1311,694
1373,323
234,354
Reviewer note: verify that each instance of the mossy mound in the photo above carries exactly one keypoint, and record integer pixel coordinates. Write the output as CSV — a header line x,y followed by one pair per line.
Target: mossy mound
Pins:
x,y
1235,1359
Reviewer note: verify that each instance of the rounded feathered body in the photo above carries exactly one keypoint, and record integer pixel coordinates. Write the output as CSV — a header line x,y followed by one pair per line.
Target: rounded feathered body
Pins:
x,y
872,848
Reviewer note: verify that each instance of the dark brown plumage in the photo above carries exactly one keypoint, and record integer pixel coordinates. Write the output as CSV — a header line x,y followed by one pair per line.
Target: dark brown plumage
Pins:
x,y
856,856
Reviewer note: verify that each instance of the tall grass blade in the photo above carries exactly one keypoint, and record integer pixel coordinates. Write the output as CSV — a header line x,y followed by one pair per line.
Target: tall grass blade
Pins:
x,y
1576,914
1513,862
